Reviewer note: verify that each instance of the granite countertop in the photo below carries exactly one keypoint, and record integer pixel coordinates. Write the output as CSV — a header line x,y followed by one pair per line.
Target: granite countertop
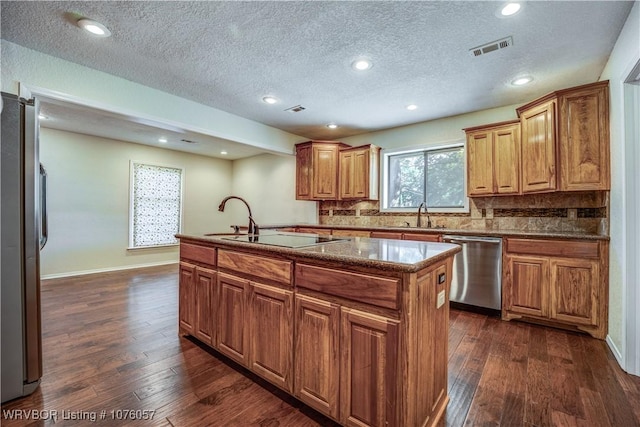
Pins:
x,y
386,254
461,232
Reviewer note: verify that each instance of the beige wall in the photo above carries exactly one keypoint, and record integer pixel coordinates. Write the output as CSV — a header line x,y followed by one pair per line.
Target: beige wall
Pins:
x,y
624,286
88,201
268,183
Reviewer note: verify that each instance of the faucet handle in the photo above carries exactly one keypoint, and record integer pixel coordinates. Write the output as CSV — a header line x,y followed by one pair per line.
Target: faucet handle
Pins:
x,y
236,228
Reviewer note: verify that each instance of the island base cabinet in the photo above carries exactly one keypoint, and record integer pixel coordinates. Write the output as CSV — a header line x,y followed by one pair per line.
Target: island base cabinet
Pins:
x,y
205,305
317,370
186,297
270,321
233,339
369,369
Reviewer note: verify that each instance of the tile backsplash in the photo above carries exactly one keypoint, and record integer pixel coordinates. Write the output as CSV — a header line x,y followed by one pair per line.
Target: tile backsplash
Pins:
x,y
576,211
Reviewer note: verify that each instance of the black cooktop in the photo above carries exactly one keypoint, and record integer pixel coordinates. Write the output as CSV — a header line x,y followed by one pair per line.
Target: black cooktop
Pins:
x,y
286,240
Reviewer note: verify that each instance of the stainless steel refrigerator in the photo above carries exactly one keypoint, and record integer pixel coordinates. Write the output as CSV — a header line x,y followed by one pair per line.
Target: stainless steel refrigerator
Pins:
x,y
23,234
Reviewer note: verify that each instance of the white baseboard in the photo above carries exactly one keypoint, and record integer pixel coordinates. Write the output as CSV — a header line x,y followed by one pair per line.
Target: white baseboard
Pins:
x,y
104,270
616,352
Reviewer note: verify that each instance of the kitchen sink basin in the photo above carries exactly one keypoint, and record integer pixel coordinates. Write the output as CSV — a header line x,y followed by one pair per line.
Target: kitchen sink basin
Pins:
x,y
226,234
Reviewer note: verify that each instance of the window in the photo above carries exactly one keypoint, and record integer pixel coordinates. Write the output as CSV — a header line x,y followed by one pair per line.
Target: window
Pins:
x,y
155,206
435,175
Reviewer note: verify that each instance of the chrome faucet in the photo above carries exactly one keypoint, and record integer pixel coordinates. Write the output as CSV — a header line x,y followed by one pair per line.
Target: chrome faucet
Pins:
x,y
253,227
419,222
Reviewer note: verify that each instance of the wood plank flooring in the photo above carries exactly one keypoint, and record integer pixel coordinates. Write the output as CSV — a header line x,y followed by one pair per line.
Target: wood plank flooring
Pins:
x,y
110,343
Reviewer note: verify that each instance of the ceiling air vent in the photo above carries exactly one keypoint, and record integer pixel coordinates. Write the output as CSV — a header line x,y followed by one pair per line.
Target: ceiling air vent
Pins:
x,y
295,109
490,47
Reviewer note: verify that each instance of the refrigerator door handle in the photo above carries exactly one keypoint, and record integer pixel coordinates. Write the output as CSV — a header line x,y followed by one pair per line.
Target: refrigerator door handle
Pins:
x,y
44,230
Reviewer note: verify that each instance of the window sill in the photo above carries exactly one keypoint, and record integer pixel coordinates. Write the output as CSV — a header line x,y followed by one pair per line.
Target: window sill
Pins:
x,y
168,245
430,210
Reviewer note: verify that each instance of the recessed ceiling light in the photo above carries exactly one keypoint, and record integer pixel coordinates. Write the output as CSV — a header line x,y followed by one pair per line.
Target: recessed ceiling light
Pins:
x,y
162,140
361,64
412,107
332,126
224,153
270,100
94,27
509,9
521,81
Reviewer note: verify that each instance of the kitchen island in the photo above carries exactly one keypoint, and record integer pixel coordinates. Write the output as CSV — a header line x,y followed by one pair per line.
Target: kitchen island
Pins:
x,y
356,328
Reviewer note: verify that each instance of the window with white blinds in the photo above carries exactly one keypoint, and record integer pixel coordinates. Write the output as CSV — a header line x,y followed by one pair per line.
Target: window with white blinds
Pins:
x,y
155,205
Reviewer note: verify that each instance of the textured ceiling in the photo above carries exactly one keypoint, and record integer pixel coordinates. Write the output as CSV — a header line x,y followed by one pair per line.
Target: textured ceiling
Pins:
x,y
229,55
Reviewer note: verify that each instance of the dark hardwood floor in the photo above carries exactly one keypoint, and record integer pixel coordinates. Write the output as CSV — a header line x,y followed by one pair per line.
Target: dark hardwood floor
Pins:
x,y
111,344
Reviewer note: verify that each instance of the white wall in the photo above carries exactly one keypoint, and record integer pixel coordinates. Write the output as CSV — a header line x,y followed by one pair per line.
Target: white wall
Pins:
x,y
268,183
88,201
102,90
623,283
434,131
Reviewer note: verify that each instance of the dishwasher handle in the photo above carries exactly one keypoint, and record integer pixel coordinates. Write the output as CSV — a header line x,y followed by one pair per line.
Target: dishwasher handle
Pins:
x,y
466,239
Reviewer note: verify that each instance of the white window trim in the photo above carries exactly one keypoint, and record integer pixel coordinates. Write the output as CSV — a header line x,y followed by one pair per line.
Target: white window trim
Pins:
x,y
130,247
384,159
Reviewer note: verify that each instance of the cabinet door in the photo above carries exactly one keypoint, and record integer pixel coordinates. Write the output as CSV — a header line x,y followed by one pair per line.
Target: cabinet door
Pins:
x,y
233,339
538,145
526,285
347,175
317,369
205,300
574,290
584,139
368,370
506,157
304,169
361,174
271,331
186,308
325,172
480,163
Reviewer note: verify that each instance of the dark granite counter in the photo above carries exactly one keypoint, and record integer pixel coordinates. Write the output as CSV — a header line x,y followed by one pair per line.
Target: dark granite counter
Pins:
x,y
386,254
461,232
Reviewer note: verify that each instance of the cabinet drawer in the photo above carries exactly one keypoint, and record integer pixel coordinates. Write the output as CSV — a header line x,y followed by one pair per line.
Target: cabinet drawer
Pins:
x,y
351,233
560,248
380,291
198,253
268,268
422,237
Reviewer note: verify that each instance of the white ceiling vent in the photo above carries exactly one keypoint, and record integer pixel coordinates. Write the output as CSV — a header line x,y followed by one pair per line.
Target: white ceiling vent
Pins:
x,y
296,109
490,47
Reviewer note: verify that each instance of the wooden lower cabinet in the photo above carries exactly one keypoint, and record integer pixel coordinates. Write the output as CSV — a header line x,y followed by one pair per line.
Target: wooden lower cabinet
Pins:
x,y
562,282
528,290
422,237
233,337
205,305
186,298
317,369
575,291
368,371
271,334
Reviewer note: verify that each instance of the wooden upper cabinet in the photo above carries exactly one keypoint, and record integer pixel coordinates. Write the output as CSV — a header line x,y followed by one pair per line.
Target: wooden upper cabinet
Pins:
x,y
359,172
584,138
493,159
565,140
317,170
538,147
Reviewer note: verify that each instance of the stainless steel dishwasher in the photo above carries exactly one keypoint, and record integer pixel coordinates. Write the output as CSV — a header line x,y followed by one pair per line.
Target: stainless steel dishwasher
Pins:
x,y
477,271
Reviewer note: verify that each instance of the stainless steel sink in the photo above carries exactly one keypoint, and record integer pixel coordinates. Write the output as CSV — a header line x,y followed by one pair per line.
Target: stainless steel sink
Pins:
x,y
226,234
